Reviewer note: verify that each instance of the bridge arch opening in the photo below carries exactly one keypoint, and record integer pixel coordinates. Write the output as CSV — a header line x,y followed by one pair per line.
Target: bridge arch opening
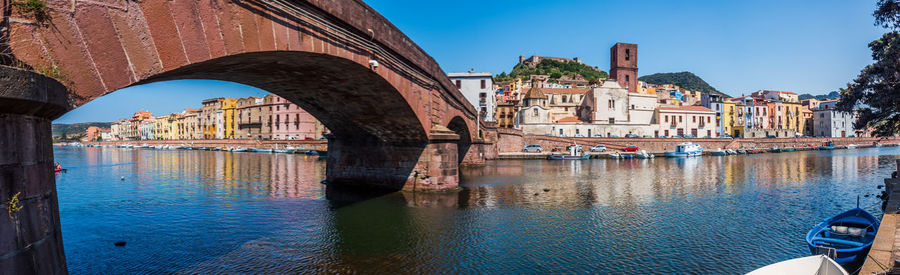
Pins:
x,y
458,126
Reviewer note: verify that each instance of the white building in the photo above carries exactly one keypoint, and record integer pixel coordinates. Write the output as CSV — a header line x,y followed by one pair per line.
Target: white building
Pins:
x,y
607,111
686,121
478,89
832,123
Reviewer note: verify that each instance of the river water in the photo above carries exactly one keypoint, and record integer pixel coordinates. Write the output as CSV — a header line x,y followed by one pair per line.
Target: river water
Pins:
x,y
222,212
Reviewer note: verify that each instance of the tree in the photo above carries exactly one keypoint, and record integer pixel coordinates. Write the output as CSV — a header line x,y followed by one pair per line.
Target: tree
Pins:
x,y
63,136
876,91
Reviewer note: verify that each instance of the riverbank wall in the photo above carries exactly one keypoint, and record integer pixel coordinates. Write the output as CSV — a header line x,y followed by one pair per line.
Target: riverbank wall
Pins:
x,y
885,251
265,144
513,143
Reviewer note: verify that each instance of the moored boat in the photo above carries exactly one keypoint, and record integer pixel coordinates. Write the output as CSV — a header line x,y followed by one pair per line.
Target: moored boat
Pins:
x,y
827,146
846,237
574,154
643,155
686,149
731,151
718,152
818,264
851,146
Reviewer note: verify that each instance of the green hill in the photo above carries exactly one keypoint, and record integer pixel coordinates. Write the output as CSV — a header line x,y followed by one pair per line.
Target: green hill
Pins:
x,y
76,129
831,95
685,80
555,69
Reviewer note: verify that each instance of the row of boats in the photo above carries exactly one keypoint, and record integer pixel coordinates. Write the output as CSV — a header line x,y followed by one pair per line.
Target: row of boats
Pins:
x,y
278,149
838,244
688,149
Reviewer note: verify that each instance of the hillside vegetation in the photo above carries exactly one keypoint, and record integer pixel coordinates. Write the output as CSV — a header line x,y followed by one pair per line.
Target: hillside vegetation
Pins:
x,y
685,80
554,69
76,129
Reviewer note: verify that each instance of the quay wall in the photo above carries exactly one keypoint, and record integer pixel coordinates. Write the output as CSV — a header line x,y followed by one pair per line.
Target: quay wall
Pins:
x,y
266,144
512,141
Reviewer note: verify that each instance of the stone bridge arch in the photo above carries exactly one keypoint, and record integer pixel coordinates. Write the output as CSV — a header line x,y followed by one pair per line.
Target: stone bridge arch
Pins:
x,y
389,121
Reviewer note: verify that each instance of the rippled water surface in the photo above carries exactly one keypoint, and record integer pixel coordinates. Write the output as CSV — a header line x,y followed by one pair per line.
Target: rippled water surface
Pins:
x,y
199,211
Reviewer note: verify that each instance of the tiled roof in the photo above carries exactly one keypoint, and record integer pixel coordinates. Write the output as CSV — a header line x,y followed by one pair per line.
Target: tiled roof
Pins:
x,y
564,91
686,108
569,119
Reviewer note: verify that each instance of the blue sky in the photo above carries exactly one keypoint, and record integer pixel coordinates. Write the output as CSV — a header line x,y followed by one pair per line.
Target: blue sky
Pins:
x,y
737,46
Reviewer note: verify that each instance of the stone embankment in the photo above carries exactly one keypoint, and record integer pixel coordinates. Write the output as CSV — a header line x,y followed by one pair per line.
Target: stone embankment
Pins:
x,y
509,143
884,255
265,144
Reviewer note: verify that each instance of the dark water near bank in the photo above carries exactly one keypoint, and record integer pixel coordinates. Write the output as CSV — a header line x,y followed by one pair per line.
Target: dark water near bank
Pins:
x,y
200,212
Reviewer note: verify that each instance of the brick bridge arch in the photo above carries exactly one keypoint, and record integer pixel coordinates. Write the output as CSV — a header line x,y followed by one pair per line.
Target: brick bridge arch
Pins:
x,y
396,125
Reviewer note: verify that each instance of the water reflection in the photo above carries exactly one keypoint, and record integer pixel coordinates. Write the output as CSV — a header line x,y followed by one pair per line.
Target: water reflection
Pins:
x,y
198,212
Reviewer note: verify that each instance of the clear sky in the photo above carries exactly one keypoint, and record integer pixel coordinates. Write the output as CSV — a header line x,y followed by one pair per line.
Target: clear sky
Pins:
x,y
737,46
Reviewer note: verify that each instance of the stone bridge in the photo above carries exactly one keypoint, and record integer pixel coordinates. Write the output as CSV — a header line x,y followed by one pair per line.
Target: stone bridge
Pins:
x,y
397,120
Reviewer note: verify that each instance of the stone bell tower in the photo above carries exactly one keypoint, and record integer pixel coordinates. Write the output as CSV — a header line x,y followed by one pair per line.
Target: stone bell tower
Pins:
x,y
623,66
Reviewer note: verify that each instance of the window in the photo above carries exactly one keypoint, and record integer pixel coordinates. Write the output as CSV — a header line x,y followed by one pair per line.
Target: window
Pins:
x,y
708,133
483,83
560,132
680,119
626,78
535,112
612,120
482,95
708,119
666,132
612,104
458,84
627,54
563,99
667,120
577,131
694,118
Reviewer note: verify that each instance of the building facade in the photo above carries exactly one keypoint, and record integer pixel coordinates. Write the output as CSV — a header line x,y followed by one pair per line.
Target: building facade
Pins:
x,y
478,88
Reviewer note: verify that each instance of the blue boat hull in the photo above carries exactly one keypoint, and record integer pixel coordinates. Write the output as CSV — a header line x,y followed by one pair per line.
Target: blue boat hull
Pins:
x,y
826,147
568,157
683,154
847,250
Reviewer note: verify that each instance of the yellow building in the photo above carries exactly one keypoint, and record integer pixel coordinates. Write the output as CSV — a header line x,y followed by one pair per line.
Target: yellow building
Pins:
x,y
793,116
228,117
806,121
728,117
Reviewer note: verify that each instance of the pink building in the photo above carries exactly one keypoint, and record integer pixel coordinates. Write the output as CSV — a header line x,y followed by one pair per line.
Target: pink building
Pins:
x,y
289,122
696,121
760,114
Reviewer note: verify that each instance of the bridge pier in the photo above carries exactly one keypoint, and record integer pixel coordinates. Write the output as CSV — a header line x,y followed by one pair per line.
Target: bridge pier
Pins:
x,y
370,165
30,238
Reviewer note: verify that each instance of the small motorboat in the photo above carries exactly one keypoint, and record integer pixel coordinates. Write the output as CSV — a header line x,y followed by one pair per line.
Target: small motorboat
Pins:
x,y
818,264
827,146
846,237
851,146
685,149
876,145
574,154
718,152
643,155
788,150
614,155
775,149
731,152
239,149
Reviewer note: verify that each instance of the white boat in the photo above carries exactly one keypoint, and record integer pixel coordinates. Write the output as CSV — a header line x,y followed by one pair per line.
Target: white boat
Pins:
x,y
731,151
686,149
643,155
813,265
239,149
718,152
851,146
